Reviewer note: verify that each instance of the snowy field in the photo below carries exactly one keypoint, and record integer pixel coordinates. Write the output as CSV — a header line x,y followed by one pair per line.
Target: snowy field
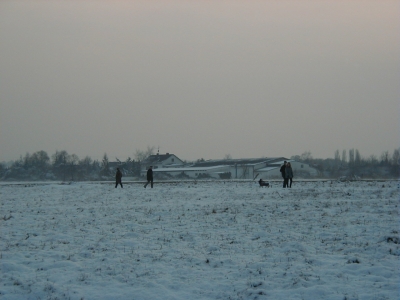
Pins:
x,y
204,240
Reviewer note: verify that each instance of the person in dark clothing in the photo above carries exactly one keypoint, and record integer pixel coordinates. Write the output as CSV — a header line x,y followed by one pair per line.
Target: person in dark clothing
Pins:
x,y
289,175
118,177
282,170
149,177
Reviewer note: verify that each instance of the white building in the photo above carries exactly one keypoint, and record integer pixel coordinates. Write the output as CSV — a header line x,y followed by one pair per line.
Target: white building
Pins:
x,y
193,172
160,161
170,166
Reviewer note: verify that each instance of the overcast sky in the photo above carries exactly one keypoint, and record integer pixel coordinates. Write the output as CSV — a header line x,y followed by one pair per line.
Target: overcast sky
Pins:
x,y
200,79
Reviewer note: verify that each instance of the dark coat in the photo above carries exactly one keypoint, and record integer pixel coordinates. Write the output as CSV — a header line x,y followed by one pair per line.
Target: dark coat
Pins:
x,y
282,170
149,174
288,172
118,175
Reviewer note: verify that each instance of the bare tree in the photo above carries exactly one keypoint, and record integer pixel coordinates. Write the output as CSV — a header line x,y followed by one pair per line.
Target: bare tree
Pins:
x,y
105,170
396,157
351,157
306,156
373,160
337,156
395,162
357,158
60,159
141,155
150,151
85,166
385,158
344,156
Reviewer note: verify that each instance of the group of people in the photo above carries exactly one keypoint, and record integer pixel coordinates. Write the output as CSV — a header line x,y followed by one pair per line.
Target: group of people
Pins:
x,y
287,174
118,177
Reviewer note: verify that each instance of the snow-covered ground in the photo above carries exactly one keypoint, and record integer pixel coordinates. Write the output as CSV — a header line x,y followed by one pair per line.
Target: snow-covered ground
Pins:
x,y
204,240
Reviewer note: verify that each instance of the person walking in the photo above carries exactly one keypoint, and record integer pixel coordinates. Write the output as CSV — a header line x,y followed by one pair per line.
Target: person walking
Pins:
x,y
289,175
118,178
282,170
149,177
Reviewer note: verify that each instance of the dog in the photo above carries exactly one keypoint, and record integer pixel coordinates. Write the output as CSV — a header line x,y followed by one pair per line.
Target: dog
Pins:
x,y
263,183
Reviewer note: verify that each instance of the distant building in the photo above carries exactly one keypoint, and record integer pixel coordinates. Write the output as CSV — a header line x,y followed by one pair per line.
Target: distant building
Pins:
x,y
300,170
160,161
170,166
192,172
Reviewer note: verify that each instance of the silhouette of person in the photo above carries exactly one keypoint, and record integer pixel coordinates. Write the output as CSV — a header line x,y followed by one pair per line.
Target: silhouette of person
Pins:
x,y
118,178
149,177
282,170
289,175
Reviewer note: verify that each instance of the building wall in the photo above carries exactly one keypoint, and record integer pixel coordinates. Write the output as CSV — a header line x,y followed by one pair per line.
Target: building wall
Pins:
x,y
299,167
271,174
170,160
193,173
242,171
239,171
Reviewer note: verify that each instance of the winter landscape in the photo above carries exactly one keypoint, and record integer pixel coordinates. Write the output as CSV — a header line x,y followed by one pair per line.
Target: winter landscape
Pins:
x,y
200,240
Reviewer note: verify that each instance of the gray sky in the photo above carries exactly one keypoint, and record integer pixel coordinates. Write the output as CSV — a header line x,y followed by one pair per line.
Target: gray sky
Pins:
x,y
200,79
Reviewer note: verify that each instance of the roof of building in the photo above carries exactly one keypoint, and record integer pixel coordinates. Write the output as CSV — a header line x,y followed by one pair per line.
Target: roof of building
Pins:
x,y
242,161
157,158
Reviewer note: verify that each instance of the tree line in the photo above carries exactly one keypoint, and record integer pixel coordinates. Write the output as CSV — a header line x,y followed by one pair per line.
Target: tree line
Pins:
x,y
69,167
351,163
